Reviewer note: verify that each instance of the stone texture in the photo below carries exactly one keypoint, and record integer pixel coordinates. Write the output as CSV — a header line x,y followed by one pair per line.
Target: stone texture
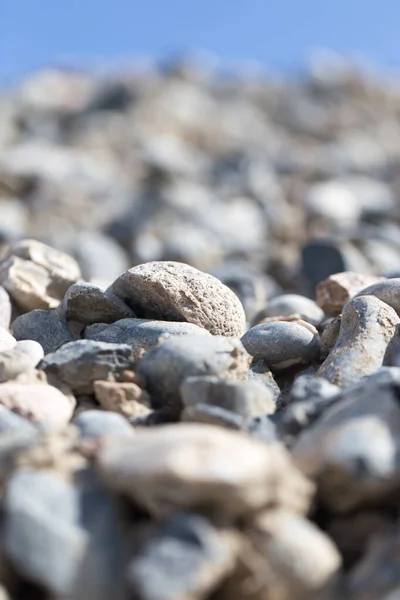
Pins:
x,y
286,305
177,292
367,327
87,303
190,465
37,402
43,326
125,398
165,367
80,363
387,291
335,291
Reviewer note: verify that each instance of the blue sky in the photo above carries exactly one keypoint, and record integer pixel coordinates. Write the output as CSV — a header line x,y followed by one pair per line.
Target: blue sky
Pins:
x,y
281,33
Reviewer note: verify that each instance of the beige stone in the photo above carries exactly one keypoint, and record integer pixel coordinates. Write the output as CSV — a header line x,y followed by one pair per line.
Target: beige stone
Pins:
x,y
333,293
127,399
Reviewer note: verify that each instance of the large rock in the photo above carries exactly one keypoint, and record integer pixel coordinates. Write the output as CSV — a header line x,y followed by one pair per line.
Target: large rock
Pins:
x,y
165,367
177,292
80,363
190,465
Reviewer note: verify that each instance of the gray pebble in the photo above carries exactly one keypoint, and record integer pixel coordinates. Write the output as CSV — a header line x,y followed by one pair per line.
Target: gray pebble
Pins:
x,y
213,415
260,371
166,366
281,344
96,423
388,291
43,326
291,304
80,363
87,303
246,398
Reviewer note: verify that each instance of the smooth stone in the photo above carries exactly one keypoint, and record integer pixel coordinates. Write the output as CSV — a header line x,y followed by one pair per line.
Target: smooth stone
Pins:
x,y
12,363
33,349
80,363
333,293
260,371
43,326
93,424
246,398
211,414
388,291
37,402
172,291
5,309
87,303
281,344
286,305
7,341
165,367
193,465
143,334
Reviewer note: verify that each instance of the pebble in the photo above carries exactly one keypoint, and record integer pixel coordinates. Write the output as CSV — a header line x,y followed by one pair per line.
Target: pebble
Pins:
x,y
46,327
193,465
142,334
166,366
211,414
286,305
126,398
14,362
5,309
79,364
93,424
333,293
387,291
7,341
33,349
367,326
281,344
87,303
260,371
177,292
246,398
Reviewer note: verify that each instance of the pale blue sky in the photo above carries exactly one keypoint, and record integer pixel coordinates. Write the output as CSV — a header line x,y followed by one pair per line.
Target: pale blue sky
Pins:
x,y
278,33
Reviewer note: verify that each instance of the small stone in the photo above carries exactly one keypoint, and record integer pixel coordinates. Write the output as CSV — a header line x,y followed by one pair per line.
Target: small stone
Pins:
x,y
7,341
33,349
43,326
186,557
260,371
286,305
387,291
246,398
335,291
262,428
300,560
37,402
12,363
5,309
98,423
211,414
281,344
80,363
143,334
191,465
87,303
165,367
367,327
173,291
330,335
125,398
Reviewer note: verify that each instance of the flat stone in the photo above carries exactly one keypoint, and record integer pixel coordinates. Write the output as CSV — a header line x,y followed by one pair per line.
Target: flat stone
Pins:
x,y
37,402
177,292
125,398
98,423
43,326
165,367
5,309
87,303
80,363
281,344
143,334
191,465
186,557
246,398
333,293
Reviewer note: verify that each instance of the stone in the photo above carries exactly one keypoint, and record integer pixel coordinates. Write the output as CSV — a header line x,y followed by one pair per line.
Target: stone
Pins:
x,y
99,256
337,451
165,367
335,291
281,344
300,560
79,364
87,303
7,341
330,335
387,291
177,292
42,537
143,334
37,402
125,398
33,349
12,363
211,414
186,557
367,327
45,327
177,468
246,398
93,424
262,428
286,305
5,309
260,371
